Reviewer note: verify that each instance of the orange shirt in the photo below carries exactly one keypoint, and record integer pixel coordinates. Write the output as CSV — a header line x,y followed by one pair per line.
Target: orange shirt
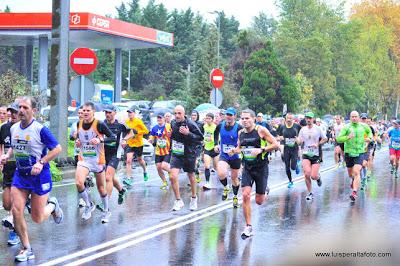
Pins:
x,y
138,125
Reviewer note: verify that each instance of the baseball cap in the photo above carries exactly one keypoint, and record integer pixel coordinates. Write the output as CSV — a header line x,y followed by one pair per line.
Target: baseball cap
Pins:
x,y
364,115
13,107
231,111
132,109
110,108
318,119
309,114
160,114
260,114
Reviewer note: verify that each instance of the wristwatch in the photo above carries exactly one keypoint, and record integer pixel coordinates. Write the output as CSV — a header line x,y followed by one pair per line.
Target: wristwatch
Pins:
x,y
41,162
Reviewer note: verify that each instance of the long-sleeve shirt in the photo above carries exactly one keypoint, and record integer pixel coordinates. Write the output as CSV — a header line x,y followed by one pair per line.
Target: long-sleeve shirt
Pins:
x,y
355,146
138,125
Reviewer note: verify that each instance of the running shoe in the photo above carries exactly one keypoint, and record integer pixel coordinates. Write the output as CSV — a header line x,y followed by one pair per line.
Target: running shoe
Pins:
x,y
247,232
81,203
212,170
145,177
290,185
164,185
87,213
198,178
319,181
225,193
363,183
193,204
392,170
235,202
310,196
100,206
121,196
353,196
105,217
298,166
25,254
178,204
58,214
13,238
8,222
207,186
128,181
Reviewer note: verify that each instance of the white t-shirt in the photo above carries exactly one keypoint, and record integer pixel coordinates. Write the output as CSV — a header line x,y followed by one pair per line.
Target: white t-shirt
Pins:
x,y
309,137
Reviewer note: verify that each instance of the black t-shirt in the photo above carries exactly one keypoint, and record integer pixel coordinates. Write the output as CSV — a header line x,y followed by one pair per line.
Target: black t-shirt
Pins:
x,y
111,144
289,134
5,135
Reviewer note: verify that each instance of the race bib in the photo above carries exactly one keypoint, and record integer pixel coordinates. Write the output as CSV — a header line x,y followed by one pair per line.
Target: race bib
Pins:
x,y
178,148
247,153
22,155
290,142
311,151
88,150
227,148
161,143
396,145
21,149
208,137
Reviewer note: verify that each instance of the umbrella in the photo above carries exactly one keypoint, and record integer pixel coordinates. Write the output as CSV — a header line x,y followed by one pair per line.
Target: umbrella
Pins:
x,y
206,107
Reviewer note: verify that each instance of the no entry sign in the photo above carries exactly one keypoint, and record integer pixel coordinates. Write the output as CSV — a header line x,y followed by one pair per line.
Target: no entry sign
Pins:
x,y
83,61
217,78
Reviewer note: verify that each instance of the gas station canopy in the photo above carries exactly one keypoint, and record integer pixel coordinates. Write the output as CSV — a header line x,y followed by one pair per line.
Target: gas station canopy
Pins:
x,y
86,30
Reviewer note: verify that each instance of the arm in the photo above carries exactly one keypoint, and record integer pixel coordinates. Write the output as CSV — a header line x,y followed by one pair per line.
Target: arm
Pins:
x,y
323,137
194,133
266,135
141,128
342,135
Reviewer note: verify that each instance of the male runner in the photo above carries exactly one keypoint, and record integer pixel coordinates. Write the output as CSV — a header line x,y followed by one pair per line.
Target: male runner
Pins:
x,y
394,147
30,142
354,136
254,142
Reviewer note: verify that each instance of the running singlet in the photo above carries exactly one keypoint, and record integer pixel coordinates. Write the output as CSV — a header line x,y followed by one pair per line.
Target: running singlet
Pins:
x,y
162,137
249,142
228,141
394,135
209,136
310,137
92,154
29,145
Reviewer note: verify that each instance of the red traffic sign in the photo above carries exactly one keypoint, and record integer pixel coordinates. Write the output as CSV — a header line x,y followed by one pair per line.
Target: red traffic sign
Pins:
x,y
83,61
217,78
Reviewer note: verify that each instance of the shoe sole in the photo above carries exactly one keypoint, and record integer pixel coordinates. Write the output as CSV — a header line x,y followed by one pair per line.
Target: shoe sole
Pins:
x,y
28,258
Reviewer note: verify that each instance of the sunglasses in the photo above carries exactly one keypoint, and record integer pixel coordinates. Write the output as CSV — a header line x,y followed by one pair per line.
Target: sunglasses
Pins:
x,y
229,114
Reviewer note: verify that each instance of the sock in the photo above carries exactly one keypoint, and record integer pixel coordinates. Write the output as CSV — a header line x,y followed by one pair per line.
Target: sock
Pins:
x,y
105,202
207,174
224,182
85,196
235,190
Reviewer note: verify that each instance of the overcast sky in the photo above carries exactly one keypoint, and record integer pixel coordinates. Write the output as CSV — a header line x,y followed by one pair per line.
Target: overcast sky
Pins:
x,y
242,10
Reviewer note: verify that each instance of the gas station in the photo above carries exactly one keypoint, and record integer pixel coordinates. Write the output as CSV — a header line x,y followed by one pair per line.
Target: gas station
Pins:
x,y
77,29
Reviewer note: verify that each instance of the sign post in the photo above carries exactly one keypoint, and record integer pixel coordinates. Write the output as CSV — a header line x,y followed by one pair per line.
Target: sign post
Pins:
x,y
83,61
217,80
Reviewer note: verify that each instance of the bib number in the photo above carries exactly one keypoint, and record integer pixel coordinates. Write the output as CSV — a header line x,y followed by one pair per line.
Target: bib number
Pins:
x,y
88,150
161,143
227,148
247,153
178,148
208,137
311,151
396,145
290,142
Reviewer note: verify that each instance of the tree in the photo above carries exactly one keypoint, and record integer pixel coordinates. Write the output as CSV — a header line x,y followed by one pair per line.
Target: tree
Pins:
x,y
264,25
12,85
267,84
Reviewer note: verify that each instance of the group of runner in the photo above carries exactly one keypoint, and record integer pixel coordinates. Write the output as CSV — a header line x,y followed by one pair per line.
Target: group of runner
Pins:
x,y
233,148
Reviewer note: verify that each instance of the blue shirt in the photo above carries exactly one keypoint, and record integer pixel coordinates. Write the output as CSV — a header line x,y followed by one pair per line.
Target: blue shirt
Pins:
x,y
394,135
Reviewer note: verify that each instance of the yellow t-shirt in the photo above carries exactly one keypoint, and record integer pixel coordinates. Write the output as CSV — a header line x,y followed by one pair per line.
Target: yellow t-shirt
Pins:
x,y
138,125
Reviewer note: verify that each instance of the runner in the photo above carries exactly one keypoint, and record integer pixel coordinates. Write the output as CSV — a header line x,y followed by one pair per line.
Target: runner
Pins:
x,y
311,137
209,153
254,142
339,147
3,114
134,140
30,141
288,133
92,159
113,152
354,136
394,147
199,150
8,171
186,136
160,136
228,132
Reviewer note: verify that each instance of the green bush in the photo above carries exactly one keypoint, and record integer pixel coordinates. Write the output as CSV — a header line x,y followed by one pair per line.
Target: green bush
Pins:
x,y
56,174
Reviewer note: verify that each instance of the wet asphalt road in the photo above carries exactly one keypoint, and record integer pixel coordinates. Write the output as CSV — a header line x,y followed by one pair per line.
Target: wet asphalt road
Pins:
x,y
287,229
